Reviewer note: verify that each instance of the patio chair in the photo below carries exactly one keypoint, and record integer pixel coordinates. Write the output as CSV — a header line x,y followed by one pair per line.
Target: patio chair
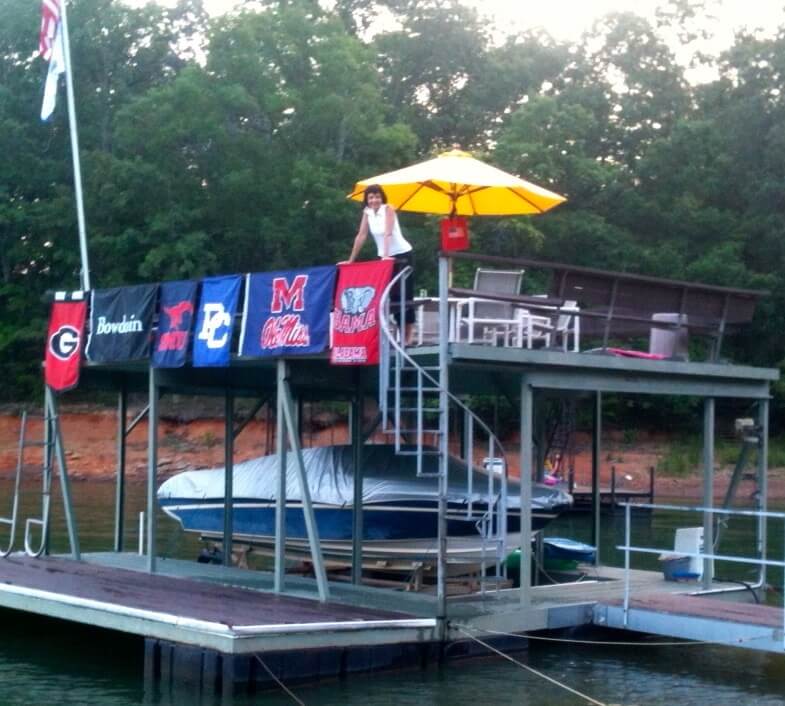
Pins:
x,y
492,321
427,322
554,332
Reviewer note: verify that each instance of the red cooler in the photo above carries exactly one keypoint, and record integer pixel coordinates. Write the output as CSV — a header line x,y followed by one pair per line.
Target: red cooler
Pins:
x,y
455,233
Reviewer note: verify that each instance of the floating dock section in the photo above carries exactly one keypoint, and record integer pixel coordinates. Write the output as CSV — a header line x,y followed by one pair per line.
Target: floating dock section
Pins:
x,y
227,627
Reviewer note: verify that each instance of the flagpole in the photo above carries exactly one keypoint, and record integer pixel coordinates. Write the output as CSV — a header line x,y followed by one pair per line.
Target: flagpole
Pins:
x,y
85,275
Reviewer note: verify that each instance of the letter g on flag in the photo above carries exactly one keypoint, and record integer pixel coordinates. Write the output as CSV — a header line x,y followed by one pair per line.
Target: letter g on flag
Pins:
x,y
64,342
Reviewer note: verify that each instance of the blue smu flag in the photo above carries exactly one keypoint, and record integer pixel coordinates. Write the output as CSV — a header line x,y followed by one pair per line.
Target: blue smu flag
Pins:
x,y
287,312
215,320
175,320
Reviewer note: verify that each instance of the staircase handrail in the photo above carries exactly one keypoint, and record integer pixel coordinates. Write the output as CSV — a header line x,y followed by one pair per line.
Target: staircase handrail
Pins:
x,y
385,327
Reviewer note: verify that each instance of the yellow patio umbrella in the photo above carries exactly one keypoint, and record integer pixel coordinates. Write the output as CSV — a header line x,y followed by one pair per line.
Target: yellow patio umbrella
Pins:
x,y
455,183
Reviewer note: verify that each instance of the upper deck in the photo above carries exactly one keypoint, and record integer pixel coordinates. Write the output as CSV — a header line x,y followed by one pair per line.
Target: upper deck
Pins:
x,y
582,333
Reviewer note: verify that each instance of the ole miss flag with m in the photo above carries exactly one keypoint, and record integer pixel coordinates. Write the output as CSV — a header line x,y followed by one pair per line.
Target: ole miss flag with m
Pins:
x,y
287,313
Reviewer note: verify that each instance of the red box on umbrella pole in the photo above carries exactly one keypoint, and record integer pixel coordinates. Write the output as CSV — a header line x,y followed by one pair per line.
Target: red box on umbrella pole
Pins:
x,y
455,233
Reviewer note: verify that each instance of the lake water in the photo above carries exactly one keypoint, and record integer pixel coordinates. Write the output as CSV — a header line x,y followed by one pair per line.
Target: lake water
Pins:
x,y
44,662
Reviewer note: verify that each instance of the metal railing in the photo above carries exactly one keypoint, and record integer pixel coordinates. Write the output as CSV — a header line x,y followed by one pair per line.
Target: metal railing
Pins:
x,y
708,557
492,524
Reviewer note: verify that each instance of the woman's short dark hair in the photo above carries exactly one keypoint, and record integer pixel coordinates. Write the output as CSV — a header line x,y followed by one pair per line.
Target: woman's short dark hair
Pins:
x,y
373,189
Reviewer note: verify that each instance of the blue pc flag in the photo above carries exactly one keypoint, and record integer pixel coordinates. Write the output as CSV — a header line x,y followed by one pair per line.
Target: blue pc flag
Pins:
x,y
287,313
175,321
215,320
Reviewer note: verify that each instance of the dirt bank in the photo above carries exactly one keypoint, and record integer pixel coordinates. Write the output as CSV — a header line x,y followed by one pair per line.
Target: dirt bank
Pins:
x,y
90,440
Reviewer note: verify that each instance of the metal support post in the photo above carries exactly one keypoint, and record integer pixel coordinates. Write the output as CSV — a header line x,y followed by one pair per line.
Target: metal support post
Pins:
x,y
280,503
119,500
46,477
75,160
708,489
152,466
627,537
763,481
65,483
305,492
527,455
444,431
228,477
356,414
596,498
541,432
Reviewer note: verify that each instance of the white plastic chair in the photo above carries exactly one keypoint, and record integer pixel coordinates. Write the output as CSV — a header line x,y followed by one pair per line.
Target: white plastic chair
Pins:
x,y
544,329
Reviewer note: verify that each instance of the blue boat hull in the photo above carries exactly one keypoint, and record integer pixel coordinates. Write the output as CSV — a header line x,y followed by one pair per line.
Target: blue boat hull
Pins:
x,y
561,549
380,522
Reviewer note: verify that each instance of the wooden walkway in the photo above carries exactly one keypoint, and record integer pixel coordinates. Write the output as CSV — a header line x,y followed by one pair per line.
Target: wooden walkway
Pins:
x,y
666,608
700,607
698,617
211,614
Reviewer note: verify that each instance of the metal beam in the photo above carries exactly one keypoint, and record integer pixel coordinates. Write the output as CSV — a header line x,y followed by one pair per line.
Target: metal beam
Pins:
x,y
280,503
444,450
65,483
356,414
138,418
763,482
568,362
596,451
305,491
228,477
152,465
631,383
541,433
245,422
708,489
527,456
119,499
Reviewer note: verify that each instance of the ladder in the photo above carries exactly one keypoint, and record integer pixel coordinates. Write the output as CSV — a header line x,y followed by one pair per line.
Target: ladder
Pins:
x,y
11,521
52,451
561,429
415,405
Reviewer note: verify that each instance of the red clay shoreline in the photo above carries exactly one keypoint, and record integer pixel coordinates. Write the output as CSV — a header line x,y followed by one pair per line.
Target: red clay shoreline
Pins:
x,y
90,441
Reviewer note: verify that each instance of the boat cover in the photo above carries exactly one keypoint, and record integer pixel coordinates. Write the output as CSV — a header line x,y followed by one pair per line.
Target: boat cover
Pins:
x,y
387,477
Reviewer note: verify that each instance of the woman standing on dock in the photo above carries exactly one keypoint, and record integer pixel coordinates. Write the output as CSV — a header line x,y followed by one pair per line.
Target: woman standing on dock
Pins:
x,y
380,219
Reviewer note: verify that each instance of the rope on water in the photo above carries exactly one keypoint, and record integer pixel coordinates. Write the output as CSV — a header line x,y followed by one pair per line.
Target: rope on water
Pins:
x,y
279,682
536,672
609,643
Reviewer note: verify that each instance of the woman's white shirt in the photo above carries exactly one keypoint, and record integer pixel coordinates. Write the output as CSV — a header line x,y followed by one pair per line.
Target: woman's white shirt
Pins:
x,y
377,224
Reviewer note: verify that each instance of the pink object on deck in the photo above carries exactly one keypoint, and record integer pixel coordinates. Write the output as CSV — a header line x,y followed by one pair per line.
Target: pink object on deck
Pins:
x,y
635,354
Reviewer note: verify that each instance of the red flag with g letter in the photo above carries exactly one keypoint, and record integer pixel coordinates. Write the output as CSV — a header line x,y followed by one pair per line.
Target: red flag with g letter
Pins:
x,y
64,344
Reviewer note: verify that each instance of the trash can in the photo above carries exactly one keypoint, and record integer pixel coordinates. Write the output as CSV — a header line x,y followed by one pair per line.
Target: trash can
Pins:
x,y
670,343
676,567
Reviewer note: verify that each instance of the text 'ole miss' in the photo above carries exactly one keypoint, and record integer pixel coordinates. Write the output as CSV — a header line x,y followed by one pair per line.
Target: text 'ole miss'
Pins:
x,y
287,313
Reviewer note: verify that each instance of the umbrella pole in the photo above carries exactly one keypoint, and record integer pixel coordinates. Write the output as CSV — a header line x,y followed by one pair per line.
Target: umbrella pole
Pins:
x,y
441,574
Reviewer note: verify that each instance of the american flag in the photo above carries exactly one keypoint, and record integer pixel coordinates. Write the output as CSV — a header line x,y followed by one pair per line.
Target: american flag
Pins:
x,y
50,18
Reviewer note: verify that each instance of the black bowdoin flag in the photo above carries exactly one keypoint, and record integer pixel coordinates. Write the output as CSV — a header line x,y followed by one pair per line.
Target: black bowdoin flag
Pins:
x,y
121,323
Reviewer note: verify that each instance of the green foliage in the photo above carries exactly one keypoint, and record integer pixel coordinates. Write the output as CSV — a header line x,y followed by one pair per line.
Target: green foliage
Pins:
x,y
228,144
684,455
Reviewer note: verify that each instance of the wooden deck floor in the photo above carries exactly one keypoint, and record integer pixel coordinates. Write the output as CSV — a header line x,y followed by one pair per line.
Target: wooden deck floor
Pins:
x,y
207,613
197,604
700,607
198,600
